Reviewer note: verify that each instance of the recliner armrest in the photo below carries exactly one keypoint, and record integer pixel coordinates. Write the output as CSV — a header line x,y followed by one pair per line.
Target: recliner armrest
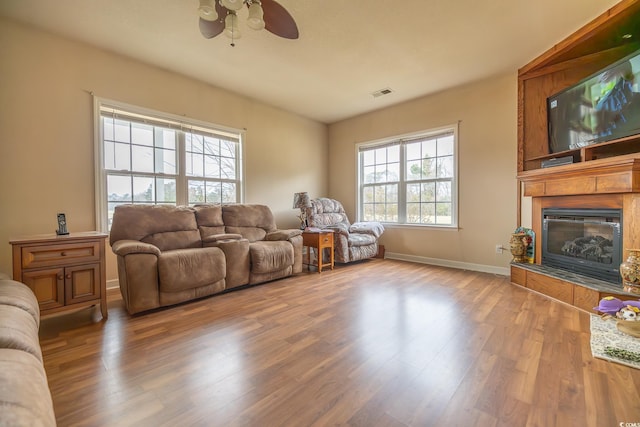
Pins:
x,y
370,227
127,247
283,234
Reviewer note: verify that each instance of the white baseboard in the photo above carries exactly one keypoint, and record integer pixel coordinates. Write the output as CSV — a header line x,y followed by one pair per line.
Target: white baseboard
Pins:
x,y
112,284
503,271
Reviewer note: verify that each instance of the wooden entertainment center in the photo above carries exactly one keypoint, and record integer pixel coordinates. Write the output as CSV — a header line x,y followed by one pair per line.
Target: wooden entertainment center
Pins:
x,y
605,175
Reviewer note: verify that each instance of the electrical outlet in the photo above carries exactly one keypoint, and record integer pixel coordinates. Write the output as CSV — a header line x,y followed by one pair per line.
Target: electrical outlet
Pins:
x,y
499,248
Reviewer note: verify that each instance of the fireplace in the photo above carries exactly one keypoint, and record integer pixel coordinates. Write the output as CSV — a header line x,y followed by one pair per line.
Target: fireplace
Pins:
x,y
585,241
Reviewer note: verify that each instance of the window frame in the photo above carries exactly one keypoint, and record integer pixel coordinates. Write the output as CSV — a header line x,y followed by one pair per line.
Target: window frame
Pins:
x,y
401,141
183,126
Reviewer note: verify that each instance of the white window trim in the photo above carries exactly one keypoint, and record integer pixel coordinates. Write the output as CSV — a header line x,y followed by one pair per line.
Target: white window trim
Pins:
x,y
413,135
174,119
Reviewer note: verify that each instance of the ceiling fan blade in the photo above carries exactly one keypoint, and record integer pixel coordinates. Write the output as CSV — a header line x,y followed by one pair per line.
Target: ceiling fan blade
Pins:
x,y
278,21
210,29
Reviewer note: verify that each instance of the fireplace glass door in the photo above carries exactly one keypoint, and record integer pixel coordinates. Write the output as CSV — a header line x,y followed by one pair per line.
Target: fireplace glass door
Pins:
x,y
586,241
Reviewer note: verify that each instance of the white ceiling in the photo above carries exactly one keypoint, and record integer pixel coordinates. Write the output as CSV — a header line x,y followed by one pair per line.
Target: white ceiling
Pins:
x,y
346,50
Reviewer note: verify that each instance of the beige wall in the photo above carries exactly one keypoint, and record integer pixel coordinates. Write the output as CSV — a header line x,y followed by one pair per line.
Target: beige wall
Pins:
x,y
46,132
486,112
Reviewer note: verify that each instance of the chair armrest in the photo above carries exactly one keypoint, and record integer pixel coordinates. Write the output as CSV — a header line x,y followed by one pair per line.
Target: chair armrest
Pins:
x,y
283,234
127,247
214,238
370,227
339,228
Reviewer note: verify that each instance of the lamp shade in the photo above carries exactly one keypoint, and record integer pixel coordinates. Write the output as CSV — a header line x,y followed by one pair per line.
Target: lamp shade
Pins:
x,y
207,10
255,20
231,26
232,4
301,200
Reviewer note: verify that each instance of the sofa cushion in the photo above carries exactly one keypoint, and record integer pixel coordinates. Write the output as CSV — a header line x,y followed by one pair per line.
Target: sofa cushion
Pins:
x,y
209,219
190,268
19,330
253,222
25,399
19,295
167,227
270,256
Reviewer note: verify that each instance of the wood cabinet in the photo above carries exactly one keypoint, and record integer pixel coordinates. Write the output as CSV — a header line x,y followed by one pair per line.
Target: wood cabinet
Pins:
x,y
594,46
65,272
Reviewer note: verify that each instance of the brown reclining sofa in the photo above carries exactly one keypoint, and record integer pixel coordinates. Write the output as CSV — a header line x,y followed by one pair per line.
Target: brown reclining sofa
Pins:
x,y
171,254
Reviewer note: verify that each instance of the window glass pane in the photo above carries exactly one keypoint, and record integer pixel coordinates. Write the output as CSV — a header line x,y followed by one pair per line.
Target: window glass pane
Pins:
x,y
381,155
228,168
393,172
229,192
429,148
413,193
227,149
443,191
195,164
427,213
367,195
119,188
379,193
211,166
443,211
381,173
141,158
166,190
392,194
141,134
166,161
143,190
414,170
196,192
413,151
379,211
214,192
166,138
122,157
368,212
445,146
194,143
413,213
428,192
369,175
368,158
109,155
445,167
393,154
121,131
429,168
211,146
107,128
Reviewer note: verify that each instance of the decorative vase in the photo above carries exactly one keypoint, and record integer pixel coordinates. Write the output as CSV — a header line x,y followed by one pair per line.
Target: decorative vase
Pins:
x,y
630,272
518,247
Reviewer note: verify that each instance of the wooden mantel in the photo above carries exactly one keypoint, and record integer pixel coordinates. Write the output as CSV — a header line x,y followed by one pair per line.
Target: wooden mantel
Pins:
x,y
611,175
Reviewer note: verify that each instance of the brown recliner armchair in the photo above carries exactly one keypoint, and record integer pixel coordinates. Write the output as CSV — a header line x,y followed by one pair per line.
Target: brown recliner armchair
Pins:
x,y
352,242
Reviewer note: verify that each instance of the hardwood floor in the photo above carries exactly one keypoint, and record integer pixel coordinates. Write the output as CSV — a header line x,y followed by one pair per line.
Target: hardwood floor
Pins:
x,y
379,343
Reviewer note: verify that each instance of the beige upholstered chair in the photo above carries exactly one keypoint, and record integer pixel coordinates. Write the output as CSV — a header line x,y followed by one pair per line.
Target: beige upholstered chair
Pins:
x,y
352,242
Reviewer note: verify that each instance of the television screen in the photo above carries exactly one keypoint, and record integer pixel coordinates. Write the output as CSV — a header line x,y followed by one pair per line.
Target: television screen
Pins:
x,y
602,107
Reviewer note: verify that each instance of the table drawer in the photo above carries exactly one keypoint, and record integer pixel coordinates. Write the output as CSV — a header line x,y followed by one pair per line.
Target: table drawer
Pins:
x,y
55,255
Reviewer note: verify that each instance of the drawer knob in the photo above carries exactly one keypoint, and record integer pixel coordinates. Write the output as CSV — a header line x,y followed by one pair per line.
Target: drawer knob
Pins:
x,y
60,277
63,254
68,276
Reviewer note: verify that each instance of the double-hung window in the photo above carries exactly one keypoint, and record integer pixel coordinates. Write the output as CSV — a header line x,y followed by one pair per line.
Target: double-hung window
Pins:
x,y
146,157
410,180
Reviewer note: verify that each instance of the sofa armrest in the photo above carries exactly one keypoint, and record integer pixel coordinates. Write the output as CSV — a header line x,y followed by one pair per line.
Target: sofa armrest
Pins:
x,y
338,228
213,239
371,227
127,247
283,234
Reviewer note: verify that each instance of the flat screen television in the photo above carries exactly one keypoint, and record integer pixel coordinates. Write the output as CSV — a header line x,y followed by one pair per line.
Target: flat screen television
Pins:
x,y
603,107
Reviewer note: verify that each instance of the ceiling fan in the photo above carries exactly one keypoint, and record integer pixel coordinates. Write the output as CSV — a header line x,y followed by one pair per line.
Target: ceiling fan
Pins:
x,y
217,16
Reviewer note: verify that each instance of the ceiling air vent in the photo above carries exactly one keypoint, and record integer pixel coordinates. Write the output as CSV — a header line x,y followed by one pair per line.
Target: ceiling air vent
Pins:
x,y
378,93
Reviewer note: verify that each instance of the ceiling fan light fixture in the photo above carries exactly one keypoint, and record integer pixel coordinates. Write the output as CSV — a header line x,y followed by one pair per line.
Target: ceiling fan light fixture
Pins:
x,y
232,4
207,10
256,14
231,26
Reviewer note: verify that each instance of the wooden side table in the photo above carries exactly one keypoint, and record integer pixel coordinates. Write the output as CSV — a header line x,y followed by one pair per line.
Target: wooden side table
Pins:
x,y
319,240
65,272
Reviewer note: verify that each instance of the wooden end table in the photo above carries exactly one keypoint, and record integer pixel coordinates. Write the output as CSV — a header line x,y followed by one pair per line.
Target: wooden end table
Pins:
x,y
319,240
